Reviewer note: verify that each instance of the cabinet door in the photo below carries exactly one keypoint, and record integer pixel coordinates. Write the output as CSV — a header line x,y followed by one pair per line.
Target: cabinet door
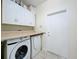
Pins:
x,y
57,34
23,16
8,15
20,15
27,18
31,19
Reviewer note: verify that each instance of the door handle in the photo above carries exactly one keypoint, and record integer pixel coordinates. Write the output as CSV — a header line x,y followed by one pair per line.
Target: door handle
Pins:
x,y
16,20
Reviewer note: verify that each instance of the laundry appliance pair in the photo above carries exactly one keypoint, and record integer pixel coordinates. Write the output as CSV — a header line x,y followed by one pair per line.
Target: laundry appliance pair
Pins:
x,y
21,48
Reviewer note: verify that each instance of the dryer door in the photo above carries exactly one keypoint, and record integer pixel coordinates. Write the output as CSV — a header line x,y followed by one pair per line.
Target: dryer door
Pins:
x,y
21,51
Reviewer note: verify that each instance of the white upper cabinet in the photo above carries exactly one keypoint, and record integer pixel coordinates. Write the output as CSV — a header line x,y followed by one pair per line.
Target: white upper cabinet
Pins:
x,y
13,13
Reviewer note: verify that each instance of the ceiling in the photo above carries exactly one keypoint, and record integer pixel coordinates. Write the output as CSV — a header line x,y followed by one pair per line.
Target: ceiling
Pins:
x,y
33,2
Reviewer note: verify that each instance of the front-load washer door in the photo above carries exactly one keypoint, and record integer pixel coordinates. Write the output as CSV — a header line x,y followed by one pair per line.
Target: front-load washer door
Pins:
x,y
21,51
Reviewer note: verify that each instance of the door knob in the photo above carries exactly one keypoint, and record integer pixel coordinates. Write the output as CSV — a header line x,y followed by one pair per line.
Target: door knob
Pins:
x,y
16,20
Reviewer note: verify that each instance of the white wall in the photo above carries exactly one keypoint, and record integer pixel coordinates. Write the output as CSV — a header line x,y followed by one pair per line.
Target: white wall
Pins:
x,y
56,5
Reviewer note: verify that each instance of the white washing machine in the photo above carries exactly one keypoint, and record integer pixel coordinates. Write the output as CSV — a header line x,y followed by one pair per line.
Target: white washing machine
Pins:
x,y
36,45
18,49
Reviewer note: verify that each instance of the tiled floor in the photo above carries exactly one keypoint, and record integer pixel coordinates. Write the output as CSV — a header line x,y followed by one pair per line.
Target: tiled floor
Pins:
x,y
45,55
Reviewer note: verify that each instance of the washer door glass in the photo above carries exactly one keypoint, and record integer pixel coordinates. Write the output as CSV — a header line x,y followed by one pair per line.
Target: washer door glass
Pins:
x,y
21,52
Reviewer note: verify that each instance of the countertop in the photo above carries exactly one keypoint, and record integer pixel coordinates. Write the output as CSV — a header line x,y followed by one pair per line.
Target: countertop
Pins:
x,y
6,35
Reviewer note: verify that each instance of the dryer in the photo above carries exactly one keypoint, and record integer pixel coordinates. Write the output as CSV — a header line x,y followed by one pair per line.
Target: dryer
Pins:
x,y
36,45
18,48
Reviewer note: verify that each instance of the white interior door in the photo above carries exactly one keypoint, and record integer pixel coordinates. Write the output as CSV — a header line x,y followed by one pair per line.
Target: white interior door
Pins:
x,y
57,33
